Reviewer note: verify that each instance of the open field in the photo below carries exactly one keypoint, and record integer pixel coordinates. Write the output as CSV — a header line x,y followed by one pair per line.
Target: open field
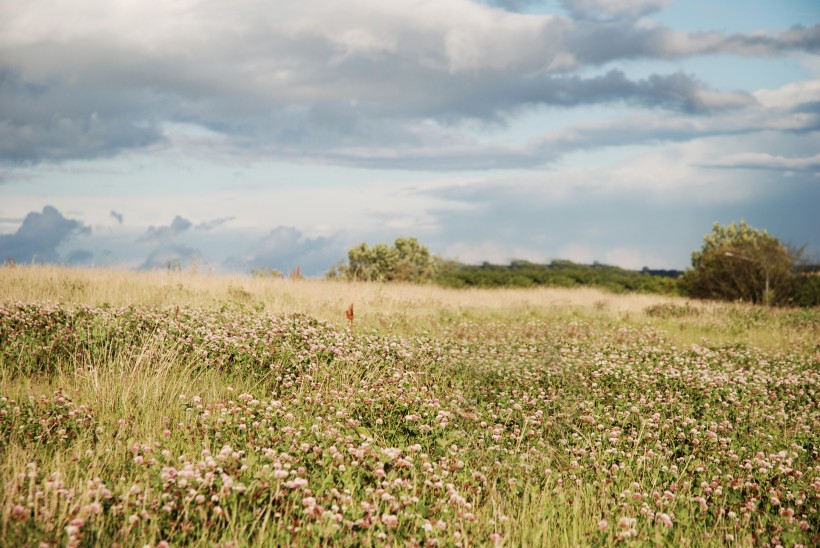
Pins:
x,y
170,408
401,309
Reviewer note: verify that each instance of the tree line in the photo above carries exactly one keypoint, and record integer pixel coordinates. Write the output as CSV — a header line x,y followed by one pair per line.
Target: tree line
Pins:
x,y
736,263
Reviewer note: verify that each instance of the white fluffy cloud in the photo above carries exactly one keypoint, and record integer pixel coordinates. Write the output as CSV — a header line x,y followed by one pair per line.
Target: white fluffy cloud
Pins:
x,y
600,123
361,82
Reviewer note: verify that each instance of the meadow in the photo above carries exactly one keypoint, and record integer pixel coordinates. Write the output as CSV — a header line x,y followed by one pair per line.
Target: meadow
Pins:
x,y
173,408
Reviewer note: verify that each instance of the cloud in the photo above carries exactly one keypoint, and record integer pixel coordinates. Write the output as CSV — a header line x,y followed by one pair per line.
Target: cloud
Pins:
x,y
612,9
170,255
80,257
591,9
213,223
57,119
164,234
595,44
39,236
788,109
634,213
290,84
285,248
514,5
117,216
167,252
765,161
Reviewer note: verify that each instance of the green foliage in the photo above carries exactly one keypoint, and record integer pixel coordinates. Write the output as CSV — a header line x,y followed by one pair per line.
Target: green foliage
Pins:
x,y
266,272
558,273
806,289
406,261
45,421
521,432
740,262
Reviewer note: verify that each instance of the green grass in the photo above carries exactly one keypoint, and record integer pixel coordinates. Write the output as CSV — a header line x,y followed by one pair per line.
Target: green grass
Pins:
x,y
219,422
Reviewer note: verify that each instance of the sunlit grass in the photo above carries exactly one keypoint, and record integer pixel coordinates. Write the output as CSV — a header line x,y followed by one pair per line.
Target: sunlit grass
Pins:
x,y
407,309
177,409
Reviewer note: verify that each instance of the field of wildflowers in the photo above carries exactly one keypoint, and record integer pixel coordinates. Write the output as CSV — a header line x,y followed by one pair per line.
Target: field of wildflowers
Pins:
x,y
229,425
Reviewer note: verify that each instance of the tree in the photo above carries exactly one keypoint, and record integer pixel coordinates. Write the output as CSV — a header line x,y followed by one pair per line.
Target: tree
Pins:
x,y
740,262
406,261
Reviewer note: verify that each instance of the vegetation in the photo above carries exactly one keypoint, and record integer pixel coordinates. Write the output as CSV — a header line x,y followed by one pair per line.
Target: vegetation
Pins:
x,y
409,261
741,263
266,272
555,274
188,412
406,261
806,289
736,263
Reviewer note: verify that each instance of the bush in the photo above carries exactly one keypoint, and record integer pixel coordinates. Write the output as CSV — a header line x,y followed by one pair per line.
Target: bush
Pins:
x,y
806,290
741,263
406,261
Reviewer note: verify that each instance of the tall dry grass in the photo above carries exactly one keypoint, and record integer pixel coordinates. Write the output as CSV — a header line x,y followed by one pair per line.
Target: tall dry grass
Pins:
x,y
520,374
406,309
322,298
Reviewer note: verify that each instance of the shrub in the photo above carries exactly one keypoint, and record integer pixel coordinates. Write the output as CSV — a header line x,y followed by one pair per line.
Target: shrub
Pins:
x,y
739,262
406,261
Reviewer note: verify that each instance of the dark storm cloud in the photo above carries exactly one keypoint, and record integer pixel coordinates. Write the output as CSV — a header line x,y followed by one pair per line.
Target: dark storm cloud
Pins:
x,y
366,75
39,236
285,248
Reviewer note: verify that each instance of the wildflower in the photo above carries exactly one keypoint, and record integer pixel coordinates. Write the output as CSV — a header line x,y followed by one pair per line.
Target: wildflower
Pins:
x,y
390,521
603,525
19,513
296,483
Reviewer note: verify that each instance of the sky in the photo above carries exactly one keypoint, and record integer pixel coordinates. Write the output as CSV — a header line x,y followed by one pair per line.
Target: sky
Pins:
x,y
229,136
